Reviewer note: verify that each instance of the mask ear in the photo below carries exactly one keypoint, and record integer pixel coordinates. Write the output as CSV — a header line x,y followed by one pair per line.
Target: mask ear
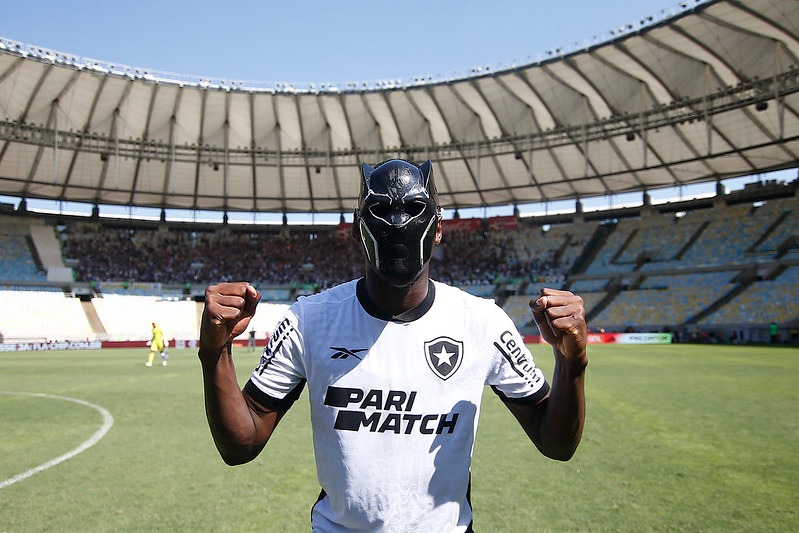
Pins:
x,y
366,176
426,169
427,173
366,170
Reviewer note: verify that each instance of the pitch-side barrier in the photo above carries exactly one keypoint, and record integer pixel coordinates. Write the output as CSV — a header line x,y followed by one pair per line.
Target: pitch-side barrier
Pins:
x,y
33,346
615,338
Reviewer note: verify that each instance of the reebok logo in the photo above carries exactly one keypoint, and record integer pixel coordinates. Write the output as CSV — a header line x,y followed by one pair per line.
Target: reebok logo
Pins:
x,y
343,353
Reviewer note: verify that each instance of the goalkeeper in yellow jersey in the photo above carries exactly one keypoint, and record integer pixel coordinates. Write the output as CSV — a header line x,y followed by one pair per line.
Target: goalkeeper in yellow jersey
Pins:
x,y
157,346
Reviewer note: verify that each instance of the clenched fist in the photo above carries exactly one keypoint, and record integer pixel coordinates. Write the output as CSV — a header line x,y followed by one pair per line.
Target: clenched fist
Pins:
x,y
560,317
229,307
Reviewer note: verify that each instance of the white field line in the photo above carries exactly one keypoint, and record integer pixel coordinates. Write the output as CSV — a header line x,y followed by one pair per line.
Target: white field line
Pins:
x,y
108,421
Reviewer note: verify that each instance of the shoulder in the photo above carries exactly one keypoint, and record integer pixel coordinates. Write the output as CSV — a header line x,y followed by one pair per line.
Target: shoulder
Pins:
x,y
335,293
475,309
332,297
451,293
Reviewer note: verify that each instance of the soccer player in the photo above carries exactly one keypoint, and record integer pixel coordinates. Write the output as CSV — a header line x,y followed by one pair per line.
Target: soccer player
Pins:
x,y
395,364
251,341
157,346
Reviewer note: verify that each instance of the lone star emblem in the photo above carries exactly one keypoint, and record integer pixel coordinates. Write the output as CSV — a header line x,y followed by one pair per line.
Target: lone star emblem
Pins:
x,y
444,356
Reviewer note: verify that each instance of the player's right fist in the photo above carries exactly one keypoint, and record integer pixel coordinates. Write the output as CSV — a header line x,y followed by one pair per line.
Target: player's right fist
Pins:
x,y
229,307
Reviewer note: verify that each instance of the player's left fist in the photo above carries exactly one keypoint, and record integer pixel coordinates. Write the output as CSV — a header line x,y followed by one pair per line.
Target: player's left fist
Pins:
x,y
560,317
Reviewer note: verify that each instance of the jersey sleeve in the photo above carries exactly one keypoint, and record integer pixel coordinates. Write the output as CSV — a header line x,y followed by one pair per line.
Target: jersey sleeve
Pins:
x,y
514,377
279,378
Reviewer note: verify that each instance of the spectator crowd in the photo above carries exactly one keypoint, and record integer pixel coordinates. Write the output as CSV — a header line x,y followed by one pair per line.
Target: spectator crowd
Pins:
x,y
174,256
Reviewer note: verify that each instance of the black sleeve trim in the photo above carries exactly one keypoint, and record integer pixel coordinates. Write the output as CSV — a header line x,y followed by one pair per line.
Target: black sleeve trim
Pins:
x,y
533,399
270,402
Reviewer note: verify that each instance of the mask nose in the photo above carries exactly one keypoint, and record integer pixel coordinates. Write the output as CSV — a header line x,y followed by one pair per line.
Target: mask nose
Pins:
x,y
398,217
393,214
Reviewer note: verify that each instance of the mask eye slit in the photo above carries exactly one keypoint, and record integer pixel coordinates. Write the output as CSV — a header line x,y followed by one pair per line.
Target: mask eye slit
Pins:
x,y
415,208
380,211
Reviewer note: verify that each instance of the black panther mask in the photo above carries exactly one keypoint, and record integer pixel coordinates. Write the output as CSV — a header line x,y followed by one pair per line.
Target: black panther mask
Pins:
x,y
398,216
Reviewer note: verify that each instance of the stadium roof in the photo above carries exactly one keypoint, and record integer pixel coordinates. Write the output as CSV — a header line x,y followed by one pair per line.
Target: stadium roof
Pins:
x,y
708,93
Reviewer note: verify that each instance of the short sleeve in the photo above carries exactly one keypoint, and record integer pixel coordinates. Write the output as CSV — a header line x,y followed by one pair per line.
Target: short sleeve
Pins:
x,y
279,378
515,377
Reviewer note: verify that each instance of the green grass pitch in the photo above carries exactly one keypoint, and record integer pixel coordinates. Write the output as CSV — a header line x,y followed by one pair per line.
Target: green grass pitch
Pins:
x,y
678,438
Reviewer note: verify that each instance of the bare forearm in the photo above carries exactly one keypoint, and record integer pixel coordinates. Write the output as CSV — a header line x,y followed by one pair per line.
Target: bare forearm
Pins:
x,y
555,425
561,426
229,417
240,426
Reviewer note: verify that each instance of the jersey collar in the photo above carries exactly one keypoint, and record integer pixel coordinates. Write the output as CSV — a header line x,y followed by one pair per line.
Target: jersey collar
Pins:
x,y
406,316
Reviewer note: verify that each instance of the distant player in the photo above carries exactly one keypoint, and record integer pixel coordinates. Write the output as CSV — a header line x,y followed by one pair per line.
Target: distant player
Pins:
x,y
157,346
251,341
395,365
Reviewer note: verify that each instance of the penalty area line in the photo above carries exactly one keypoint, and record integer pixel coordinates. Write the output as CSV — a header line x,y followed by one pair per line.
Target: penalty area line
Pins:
x,y
108,421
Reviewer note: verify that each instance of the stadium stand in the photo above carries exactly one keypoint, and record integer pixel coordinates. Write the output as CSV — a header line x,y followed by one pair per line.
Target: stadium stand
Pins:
x,y
625,263
670,300
16,261
692,260
767,300
42,315
127,317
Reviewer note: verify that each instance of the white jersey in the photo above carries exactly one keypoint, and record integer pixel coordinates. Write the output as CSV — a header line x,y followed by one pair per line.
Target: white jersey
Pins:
x,y
395,401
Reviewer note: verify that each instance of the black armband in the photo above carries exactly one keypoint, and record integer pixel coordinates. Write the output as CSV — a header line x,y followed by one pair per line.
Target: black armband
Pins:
x,y
270,402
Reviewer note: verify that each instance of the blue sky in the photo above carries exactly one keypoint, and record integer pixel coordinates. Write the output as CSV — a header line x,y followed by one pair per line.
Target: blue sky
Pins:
x,y
303,41
316,42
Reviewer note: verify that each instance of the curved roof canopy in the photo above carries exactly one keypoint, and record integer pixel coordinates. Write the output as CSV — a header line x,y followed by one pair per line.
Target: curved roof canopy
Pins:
x,y
709,93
